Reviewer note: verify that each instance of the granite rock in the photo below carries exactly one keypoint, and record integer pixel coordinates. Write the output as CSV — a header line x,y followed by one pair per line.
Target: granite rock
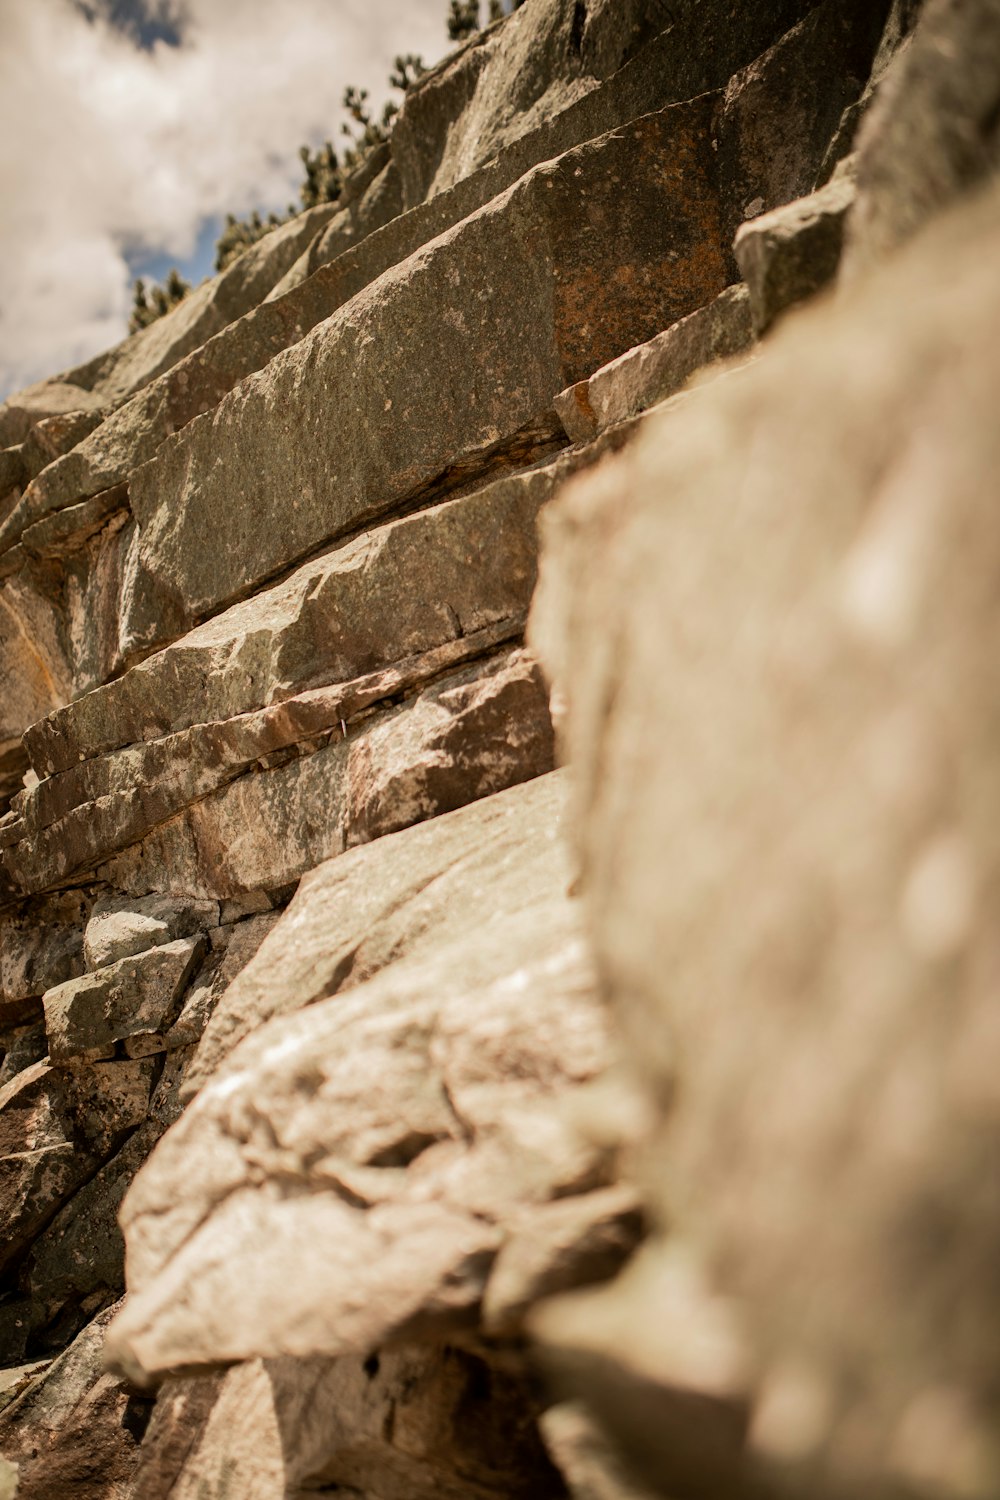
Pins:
x,y
119,927
831,734
413,1423
75,1430
931,135
480,1045
791,253
369,431
657,370
133,1001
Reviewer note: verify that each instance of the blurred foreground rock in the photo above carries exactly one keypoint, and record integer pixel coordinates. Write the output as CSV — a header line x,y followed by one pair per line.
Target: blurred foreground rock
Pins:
x,y
775,619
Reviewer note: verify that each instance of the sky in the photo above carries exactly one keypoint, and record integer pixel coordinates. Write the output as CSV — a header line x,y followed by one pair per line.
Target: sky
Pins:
x,y
128,128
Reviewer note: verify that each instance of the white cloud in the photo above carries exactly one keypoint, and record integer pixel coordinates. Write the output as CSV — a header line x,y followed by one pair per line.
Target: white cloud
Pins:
x,y
103,145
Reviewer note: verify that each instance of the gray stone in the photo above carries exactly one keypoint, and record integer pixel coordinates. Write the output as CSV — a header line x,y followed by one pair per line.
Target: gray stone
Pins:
x,y
404,895
931,135
658,369
119,927
41,946
437,1108
774,618
474,732
56,1128
64,532
53,436
792,253
370,431
397,591
48,398
780,114
134,1000
75,1430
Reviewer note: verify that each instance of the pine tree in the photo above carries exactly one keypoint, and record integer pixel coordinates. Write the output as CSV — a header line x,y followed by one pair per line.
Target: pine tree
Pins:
x,y
463,19
161,299
322,182
463,16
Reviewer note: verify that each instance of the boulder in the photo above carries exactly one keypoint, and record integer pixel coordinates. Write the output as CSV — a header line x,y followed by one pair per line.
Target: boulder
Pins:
x,y
442,1105
414,1423
774,618
119,927
133,1001
405,894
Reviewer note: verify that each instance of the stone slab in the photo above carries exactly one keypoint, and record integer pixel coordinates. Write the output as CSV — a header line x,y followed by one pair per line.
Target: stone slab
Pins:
x,y
396,591
791,253
474,732
438,1108
370,430
133,1001
658,369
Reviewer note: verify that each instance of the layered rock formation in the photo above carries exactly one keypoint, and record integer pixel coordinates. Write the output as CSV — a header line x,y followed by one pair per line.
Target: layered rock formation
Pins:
x,y
384,1111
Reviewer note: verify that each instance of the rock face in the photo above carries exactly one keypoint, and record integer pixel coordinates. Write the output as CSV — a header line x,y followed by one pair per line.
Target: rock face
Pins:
x,y
457,1126
830,734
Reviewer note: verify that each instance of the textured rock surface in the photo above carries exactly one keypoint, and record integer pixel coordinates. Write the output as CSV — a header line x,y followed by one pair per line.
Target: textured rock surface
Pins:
x,y
132,1001
75,1430
791,253
377,432
932,134
463,1130
831,733
412,1186
410,1424
658,369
